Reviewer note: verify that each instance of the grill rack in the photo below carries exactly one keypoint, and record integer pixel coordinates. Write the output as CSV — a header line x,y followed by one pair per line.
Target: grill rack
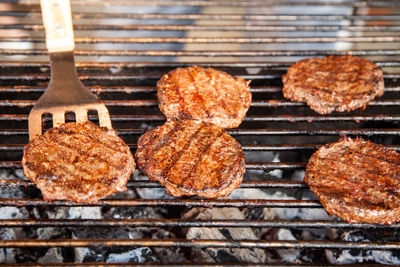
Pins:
x,y
122,82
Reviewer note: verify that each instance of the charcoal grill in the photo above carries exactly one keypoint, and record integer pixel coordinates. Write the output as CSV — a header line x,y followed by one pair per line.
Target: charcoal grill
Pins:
x,y
124,47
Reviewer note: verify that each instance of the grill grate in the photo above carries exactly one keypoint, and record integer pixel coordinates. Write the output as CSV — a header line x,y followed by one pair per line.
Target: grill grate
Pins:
x,y
123,48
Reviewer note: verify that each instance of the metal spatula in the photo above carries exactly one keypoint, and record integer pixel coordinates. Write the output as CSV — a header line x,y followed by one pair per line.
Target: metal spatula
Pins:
x,y
65,92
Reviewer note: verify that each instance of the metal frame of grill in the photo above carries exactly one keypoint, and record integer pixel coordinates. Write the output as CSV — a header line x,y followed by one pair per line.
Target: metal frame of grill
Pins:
x,y
132,87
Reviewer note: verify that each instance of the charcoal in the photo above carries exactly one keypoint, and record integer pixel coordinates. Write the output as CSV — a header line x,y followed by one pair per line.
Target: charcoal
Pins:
x,y
55,212
166,254
44,254
53,255
265,155
149,193
100,254
13,213
287,255
139,255
275,173
128,194
135,213
350,256
7,255
121,253
64,213
260,214
222,254
12,173
87,255
84,213
17,191
52,233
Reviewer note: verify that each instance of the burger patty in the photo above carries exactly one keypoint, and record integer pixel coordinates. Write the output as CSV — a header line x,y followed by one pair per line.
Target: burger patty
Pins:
x,y
341,83
191,158
357,180
78,162
204,94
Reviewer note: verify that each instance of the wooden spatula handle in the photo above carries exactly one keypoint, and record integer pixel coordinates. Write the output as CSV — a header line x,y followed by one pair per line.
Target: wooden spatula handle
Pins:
x,y
57,21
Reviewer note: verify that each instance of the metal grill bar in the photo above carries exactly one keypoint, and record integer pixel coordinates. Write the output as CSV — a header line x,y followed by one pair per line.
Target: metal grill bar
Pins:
x,y
198,243
315,224
279,118
212,17
249,203
238,27
211,40
170,53
120,78
154,103
147,89
245,147
340,132
211,64
148,184
249,165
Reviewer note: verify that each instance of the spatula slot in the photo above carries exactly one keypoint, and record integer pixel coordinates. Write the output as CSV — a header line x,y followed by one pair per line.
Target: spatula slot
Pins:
x,y
47,121
70,116
94,116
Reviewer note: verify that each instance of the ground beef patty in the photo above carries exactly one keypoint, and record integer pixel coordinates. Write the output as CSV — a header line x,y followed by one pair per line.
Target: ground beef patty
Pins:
x,y
204,94
78,162
191,158
341,83
357,180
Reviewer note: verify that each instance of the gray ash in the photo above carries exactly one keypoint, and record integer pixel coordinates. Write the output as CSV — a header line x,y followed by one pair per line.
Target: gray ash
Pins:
x,y
351,256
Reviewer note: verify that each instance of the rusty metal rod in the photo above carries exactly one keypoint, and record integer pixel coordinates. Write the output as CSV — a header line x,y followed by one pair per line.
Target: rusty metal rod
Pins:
x,y
237,132
245,147
368,132
123,78
172,53
206,243
249,203
316,224
213,27
132,89
249,165
209,53
148,184
255,103
207,40
171,65
211,17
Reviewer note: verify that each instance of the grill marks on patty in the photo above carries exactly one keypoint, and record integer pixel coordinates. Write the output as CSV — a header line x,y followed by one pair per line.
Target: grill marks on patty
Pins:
x,y
204,94
183,169
197,95
357,180
78,162
340,83
191,158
